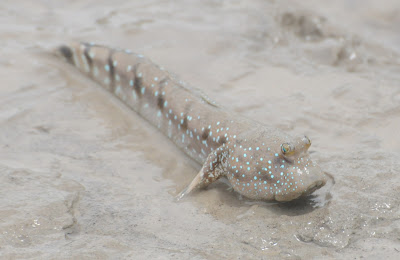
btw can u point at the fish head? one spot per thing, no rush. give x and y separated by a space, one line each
268 165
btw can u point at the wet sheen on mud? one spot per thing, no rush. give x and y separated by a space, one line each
85 177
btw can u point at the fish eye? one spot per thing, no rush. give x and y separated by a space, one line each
287 149
307 141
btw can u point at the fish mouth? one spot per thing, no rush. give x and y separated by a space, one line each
310 189
315 186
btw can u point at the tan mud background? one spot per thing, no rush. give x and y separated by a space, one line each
84 177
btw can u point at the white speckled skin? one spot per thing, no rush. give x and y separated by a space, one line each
260 162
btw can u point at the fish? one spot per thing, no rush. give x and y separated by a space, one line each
259 161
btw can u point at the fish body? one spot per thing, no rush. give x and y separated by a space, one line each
259 161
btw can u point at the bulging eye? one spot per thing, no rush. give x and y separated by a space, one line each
287 149
307 141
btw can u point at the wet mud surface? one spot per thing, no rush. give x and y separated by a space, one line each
82 176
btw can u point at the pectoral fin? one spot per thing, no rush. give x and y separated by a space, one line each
211 171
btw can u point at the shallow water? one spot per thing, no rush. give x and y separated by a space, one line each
84 177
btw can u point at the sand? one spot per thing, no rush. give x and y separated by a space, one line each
83 177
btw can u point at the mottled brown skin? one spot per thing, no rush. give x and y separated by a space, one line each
259 161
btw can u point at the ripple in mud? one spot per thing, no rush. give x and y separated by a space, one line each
36 206
306 26
293 34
